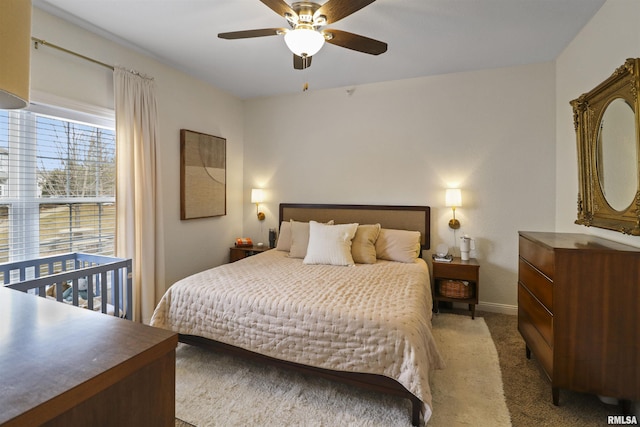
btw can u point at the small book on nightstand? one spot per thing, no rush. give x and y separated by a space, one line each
243 242
446 258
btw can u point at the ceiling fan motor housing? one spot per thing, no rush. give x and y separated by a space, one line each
306 11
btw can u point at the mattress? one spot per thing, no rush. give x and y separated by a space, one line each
367 318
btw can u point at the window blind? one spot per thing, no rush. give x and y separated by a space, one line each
57 184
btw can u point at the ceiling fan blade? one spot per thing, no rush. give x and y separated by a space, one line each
281 8
300 63
252 33
336 10
356 42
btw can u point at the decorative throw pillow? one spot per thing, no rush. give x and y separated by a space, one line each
284 237
299 238
363 247
398 245
330 244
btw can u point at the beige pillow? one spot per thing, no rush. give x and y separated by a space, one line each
363 247
284 237
300 238
330 244
398 245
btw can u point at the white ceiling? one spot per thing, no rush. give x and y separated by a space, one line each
425 37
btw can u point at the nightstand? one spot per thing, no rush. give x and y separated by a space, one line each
237 253
457 270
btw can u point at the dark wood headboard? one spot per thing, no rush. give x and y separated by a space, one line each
415 218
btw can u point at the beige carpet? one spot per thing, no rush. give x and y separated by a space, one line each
216 390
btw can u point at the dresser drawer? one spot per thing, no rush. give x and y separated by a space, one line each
538 315
539 285
538 256
535 342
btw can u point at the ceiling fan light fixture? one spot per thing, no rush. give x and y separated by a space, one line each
304 41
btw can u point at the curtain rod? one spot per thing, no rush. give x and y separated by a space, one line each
38 41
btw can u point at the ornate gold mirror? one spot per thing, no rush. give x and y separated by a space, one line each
607 127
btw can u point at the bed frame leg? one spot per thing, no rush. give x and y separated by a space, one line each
416 405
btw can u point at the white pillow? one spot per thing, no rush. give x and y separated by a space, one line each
363 247
284 237
398 245
299 238
330 244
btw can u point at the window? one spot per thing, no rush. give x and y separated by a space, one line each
57 183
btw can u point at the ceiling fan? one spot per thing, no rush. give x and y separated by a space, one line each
305 37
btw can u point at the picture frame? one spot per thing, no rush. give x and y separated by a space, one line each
607 124
203 175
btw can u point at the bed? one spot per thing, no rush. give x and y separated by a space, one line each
364 321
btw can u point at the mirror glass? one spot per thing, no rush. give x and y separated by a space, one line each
617 154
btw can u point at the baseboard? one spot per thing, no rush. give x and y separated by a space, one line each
498 308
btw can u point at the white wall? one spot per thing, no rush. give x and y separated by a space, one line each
403 142
612 36
183 102
492 132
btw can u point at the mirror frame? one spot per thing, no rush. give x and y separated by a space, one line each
588 109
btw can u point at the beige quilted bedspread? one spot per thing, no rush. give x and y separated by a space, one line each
370 318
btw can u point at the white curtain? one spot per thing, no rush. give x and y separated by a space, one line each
139 233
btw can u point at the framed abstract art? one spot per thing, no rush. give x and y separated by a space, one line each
203 173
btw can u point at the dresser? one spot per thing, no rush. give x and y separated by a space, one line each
578 312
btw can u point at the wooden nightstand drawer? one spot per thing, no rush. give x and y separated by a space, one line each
237 253
455 271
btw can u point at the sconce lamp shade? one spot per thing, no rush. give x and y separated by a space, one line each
15 53
257 195
453 198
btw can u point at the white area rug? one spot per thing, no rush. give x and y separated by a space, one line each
216 390
469 391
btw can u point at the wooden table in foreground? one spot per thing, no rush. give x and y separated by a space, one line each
66 366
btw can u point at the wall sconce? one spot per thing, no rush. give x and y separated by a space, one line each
15 51
453 200
257 197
